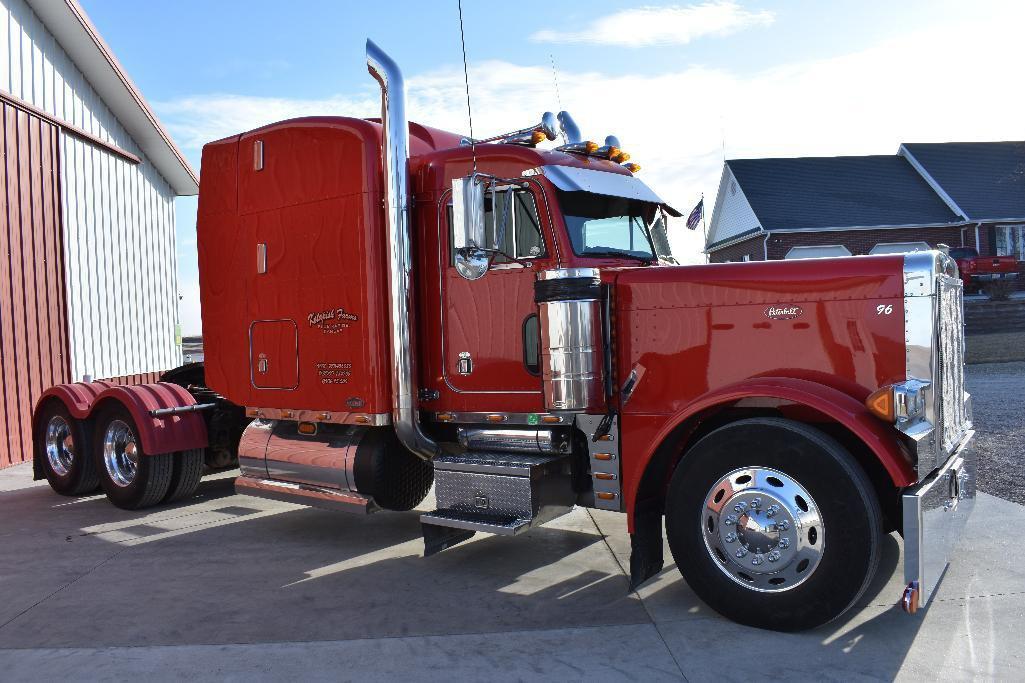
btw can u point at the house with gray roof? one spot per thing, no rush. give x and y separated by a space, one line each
957 194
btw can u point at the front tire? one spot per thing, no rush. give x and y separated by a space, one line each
774 524
62 446
131 478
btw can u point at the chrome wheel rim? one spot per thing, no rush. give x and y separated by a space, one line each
120 453
60 445
763 529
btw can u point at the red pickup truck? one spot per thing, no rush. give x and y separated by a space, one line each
976 270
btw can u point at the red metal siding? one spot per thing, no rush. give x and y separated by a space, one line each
33 322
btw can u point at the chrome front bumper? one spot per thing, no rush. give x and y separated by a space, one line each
935 513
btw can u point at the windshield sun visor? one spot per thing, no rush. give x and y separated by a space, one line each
573 179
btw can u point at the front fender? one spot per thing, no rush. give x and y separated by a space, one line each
880 438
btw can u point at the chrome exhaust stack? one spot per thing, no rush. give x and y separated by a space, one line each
395 147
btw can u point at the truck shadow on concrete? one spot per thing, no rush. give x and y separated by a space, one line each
222 569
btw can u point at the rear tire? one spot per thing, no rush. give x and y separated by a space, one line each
185 475
63 448
774 524
131 479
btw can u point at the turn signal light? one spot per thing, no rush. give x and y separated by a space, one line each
633 168
881 404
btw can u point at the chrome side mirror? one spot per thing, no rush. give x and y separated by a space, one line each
469 229
468 226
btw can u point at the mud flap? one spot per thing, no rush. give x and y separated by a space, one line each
646 545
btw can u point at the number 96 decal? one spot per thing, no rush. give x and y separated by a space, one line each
884 309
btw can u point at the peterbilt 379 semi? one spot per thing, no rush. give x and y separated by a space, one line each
389 307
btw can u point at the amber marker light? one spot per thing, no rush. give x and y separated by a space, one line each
446 417
881 404
537 137
633 168
308 428
621 157
591 147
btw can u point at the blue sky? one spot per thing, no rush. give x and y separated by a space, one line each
680 84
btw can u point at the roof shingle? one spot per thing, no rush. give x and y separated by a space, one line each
838 192
985 179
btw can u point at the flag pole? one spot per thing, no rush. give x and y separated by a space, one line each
704 227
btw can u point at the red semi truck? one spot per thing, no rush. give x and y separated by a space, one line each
389 307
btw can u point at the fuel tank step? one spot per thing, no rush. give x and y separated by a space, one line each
305 494
495 492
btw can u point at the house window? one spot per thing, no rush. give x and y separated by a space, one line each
1011 241
822 251
899 247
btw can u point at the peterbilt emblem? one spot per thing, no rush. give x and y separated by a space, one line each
354 402
783 312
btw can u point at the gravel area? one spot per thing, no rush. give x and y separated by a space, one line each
998 401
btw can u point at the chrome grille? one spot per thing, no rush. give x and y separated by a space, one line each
952 414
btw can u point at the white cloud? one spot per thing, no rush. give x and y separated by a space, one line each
673 123
667 25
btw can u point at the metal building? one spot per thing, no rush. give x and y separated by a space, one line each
88 278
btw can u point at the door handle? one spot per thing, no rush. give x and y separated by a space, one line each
465 365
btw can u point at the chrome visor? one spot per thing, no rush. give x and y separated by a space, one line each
573 179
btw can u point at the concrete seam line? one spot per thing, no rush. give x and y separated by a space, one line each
58 590
661 636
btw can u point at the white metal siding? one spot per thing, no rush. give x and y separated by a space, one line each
733 214
119 220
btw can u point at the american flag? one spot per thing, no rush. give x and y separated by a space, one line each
696 215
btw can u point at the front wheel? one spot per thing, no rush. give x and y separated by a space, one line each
774 524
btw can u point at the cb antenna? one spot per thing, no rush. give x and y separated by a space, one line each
558 96
466 79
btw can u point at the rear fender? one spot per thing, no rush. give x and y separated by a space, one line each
157 434
879 438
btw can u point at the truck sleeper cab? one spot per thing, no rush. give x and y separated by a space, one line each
389 309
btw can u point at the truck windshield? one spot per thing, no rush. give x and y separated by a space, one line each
600 225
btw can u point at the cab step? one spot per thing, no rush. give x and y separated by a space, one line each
495 492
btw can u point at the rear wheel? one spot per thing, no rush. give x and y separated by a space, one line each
62 446
185 475
131 478
774 524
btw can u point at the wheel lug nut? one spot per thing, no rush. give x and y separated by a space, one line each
756 503
730 520
741 552
731 537
773 509
784 543
757 560
782 525
740 508
773 556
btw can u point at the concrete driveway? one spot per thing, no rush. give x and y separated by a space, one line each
230 587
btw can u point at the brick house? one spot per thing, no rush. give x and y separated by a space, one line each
958 194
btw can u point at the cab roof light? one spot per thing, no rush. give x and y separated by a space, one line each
633 168
621 157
